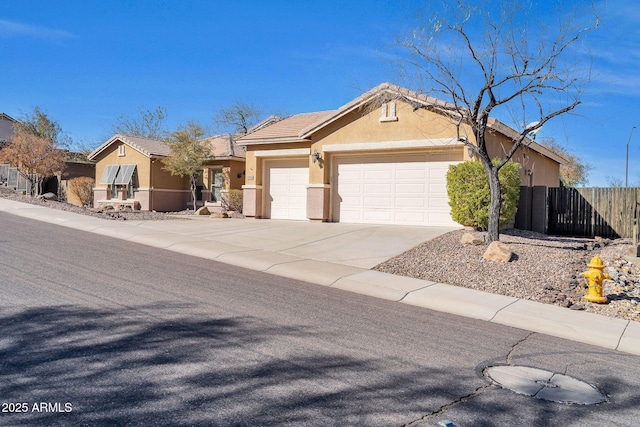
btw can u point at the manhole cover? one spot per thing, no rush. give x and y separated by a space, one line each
545 385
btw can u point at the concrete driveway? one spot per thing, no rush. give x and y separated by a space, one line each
357 245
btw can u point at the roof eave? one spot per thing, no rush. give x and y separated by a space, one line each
507 131
272 141
123 139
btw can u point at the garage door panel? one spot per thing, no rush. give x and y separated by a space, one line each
392 189
410 174
411 202
351 216
378 216
410 217
377 188
414 188
378 202
439 203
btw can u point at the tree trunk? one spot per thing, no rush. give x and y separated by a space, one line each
193 192
493 229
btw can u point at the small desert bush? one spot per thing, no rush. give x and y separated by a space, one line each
82 188
233 201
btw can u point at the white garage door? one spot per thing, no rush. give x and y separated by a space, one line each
286 196
392 189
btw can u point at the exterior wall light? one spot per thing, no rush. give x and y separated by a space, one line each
315 157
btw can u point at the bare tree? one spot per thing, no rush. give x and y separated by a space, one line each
189 152
494 60
147 124
237 118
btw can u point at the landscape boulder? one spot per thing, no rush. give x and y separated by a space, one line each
472 239
48 196
203 211
499 252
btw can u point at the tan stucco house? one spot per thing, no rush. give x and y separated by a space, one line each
370 162
130 172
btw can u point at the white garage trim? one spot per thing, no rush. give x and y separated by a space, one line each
293 152
403 189
390 145
285 194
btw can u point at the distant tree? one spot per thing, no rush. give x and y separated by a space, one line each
493 59
147 124
237 118
35 157
576 172
39 124
615 182
188 154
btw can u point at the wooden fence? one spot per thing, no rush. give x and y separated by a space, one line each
583 212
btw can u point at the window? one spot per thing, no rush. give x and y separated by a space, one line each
116 176
121 150
216 184
388 112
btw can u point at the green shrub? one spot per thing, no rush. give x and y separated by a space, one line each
232 201
469 195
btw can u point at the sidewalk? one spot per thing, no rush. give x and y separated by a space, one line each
339 256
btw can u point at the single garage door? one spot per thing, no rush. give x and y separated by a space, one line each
286 195
392 189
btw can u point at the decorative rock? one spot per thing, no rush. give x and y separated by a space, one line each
471 239
219 215
498 251
202 211
48 196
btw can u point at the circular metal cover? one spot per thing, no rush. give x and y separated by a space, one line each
545 385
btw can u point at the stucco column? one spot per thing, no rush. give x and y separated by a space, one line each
318 202
99 194
252 201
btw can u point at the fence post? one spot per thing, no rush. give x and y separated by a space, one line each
539 210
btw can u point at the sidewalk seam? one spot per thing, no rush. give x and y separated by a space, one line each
508 305
622 334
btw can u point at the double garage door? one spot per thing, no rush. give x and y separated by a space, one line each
391 189
380 189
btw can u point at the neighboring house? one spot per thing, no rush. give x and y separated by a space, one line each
370 161
76 165
130 171
6 128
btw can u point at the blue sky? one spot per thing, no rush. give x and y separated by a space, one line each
87 62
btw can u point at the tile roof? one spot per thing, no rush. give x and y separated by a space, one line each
225 146
221 146
302 126
146 146
288 128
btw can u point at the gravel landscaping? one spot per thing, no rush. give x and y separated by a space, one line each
544 268
120 215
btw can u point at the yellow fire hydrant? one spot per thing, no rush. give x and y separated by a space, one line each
595 275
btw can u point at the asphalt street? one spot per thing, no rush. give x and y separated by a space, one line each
99 331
